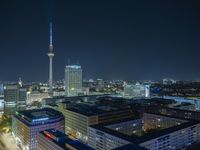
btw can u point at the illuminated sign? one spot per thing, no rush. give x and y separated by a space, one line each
74 67
49 135
41 119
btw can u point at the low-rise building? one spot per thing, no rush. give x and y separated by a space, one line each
152 131
80 116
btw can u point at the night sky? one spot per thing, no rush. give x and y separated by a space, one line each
111 39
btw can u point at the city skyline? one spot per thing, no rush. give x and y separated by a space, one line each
99 75
111 40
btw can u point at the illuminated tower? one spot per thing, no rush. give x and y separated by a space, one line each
50 55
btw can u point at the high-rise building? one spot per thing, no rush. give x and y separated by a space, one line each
15 99
50 55
52 139
73 80
27 124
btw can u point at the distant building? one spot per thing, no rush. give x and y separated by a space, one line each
52 139
153 132
73 80
176 112
99 84
21 103
15 99
168 81
27 124
58 93
1 89
36 96
136 91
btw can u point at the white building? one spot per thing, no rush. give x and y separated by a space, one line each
36 96
73 80
153 132
136 91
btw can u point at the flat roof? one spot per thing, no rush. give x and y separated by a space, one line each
62 140
130 147
146 137
91 110
38 116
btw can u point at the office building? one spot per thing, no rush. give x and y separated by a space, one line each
136 91
79 116
27 124
21 103
15 99
73 80
53 139
152 131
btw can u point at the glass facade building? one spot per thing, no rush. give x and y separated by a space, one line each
73 80
27 124
15 99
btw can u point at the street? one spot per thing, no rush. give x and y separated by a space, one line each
7 142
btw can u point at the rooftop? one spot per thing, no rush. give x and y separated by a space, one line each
38 116
146 137
130 147
90 110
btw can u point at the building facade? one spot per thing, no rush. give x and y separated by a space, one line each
21 103
158 132
15 99
79 117
52 139
27 124
73 80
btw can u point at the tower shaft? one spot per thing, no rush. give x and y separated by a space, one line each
50 75
50 55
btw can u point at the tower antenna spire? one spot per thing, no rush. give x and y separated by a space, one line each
51 34
51 37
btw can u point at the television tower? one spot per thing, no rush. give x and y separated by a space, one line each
50 55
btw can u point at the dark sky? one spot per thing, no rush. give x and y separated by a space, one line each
111 39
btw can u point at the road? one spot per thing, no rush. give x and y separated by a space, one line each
7 142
